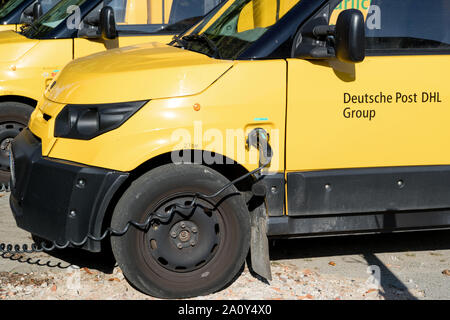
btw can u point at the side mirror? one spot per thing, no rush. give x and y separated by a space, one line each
350 36
345 40
108 23
99 24
37 11
28 15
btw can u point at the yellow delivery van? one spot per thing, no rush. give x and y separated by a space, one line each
266 119
30 59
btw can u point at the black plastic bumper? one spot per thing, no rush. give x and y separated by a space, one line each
59 200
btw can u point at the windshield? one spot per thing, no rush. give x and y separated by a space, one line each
139 17
9 7
52 19
227 31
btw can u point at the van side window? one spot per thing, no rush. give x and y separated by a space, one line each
403 26
48 4
120 7
409 26
160 16
184 9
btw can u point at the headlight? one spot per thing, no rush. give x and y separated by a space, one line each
89 121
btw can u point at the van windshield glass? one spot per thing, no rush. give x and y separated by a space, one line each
226 32
9 7
52 19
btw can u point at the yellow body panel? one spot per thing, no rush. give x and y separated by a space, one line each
85 47
14 46
322 114
159 11
401 133
28 66
216 15
158 71
150 131
323 130
263 13
34 70
43 128
137 12
5 27
148 11
320 135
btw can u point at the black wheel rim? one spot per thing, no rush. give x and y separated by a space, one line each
189 240
8 131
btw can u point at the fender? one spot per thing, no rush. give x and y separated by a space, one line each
198 122
19 95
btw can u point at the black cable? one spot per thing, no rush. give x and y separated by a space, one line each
17 249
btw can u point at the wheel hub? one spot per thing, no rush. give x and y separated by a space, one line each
184 234
8 131
6 144
189 240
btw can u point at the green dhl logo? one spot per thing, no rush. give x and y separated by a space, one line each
354 4
372 13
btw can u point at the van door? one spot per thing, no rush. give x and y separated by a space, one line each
140 21
388 114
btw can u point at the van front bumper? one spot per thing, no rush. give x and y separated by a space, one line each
59 200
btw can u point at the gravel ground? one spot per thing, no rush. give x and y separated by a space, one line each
85 283
404 266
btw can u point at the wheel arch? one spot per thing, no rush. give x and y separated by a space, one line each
229 168
14 98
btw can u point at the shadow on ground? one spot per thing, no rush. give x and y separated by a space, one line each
359 244
367 246
65 258
103 261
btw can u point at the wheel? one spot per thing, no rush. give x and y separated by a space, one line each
14 118
198 251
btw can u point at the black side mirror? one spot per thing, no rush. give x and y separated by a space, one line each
350 36
345 40
108 23
27 16
37 11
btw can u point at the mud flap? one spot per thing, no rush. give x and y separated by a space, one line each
259 245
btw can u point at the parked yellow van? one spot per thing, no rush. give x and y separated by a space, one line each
350 120
30 59
17 13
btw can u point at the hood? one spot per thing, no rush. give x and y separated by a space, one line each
5 27
13 46
140 72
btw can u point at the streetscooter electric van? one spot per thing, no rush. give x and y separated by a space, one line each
18 13
266 119
30 59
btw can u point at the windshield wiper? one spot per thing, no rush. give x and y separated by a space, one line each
203 38
178 40
24 27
